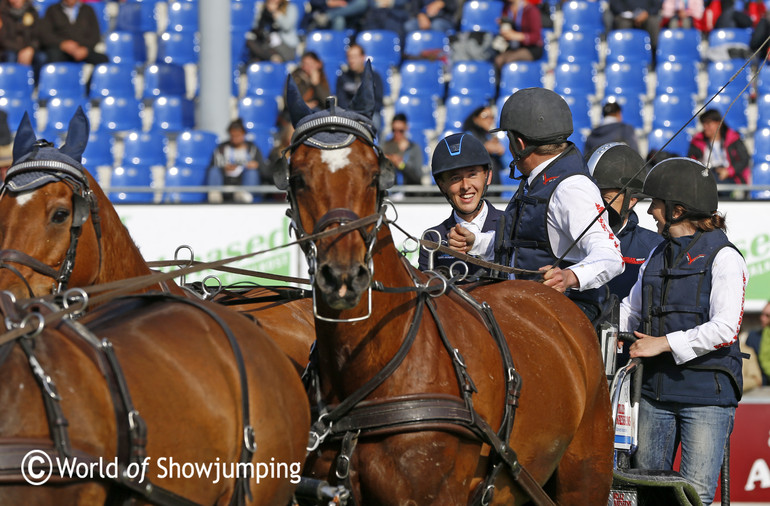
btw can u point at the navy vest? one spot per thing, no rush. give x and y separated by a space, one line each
676 287
525 233
636 243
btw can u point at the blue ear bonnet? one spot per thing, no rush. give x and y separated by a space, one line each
330 139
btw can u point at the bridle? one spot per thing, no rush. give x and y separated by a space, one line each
351 130
84 204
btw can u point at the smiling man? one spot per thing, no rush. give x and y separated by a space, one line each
461 167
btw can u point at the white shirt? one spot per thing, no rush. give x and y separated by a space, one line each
484 244
574 204
729 277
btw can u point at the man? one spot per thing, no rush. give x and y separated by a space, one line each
405 154
612 129
461 167
70 31
350 79
234 162
759 340
555 227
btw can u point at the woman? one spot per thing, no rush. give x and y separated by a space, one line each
311 80
720 148
478 124
686 309
275 35
521 32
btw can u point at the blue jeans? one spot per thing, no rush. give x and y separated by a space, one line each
702 431
338 15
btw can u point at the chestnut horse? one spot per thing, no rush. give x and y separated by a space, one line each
412 390
58 229
149 382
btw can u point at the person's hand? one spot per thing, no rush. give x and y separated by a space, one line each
68 46
460 239
336 3
494 146
559 279
648 346
25 55
641 17
253 164
722 173
395 159
434 8
423 21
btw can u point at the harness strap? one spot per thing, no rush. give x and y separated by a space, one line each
19 257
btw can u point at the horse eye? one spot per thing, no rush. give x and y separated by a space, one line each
297 182
60 216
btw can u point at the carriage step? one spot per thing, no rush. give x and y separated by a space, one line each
651 488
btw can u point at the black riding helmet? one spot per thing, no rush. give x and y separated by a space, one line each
458 151
686 182
617 166
537 115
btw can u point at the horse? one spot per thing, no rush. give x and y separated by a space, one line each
58 229
416 381
152 385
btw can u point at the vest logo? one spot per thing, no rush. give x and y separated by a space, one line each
547 180
690 260
634 261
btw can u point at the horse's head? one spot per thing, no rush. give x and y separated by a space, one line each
336 175
46 199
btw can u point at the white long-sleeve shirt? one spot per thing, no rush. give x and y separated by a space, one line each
574 204
484 243
729 276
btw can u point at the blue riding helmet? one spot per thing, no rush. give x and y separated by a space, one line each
457 151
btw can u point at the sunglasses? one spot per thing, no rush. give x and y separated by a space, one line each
398 130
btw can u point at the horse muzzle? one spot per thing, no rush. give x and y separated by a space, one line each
342 287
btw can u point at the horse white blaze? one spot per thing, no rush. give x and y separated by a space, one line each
24 198
336 159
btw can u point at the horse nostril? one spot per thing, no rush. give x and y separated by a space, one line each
360 278
327 278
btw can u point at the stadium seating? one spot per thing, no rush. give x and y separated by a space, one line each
181 176
98 152
62 80
733 109
582 16
625 78
760 174
679 45
720 72
383 47
762 145
574 78
629 46
423 43
422 77
136 17
673 111
659 137
419 109
481 16
59 112
677 78
330 46
180 48
518 75
720 36
113 79
183 16
258 112
632 104
458 108
763 80
16 80
102 15
128 176
172 114
763 112
195 147
265 78
242 15
580 105
164 79
125 48
144 148
120 114
15 107
473 78
578 47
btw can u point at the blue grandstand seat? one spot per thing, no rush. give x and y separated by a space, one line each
98 152
266 78
574 78
673 111
473 78
173 114
136 17
679 45
128 176
242 15
762 145
676 77
580 106
125 48
763 80
16 80
195 147
15 107
102 15
422 77
481 16
330 46
164 79
179 47
258 112
42 5
382 46
113 79
658 137
582 16
517 75
760 174
120 114
632 104
422 43
763 112
144 148
263 138
720 36
421 111
458 108
720 72
181 176
183 16
625 78
61 79
734 111
630 45
59 112
578 47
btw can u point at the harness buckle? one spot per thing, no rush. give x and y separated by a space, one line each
317 439
249 441
489 493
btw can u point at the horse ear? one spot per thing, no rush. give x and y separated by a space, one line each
363 100
77 136
298 109
25 138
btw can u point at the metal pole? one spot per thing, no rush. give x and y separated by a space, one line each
214 69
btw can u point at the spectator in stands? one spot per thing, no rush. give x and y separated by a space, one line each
681 13
436 15
478 124
612 129
520 37
405 154
387 15
70 31
759 341
282 141
311 80
760 35
275 34
6 145
720 148
642 14
20 34
350 79
336 14
234 162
